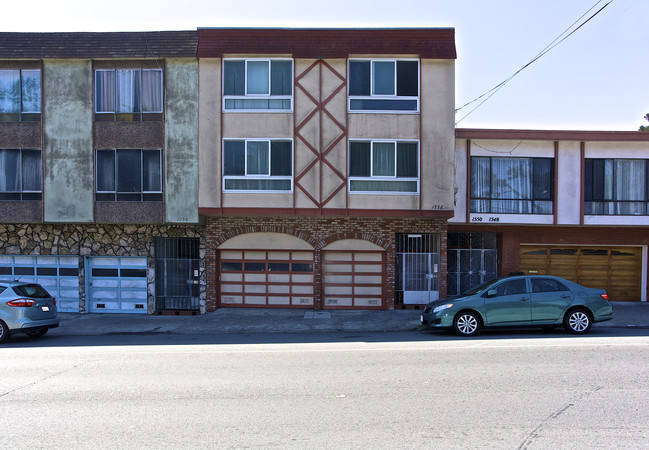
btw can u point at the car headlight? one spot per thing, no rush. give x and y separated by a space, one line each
442 308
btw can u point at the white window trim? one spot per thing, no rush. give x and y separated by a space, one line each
256 176
116 93
384 178
257 96
142 191
382 96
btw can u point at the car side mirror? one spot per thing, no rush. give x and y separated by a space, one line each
492 293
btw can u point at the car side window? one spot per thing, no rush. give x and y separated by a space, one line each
512 287
547 285
2 289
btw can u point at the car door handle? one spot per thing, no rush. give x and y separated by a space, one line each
566 296
524 299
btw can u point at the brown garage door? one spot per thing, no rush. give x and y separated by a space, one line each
353 279
616 269
272 278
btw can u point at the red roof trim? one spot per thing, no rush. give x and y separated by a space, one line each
323 212
552 135
436 43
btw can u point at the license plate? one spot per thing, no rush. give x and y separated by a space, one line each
45 308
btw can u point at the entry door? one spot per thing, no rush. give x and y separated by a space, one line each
177 280
420 277
116 284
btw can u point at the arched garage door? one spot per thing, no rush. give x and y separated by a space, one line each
353 275
266 269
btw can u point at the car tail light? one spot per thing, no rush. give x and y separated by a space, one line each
54 300
605 296
21 302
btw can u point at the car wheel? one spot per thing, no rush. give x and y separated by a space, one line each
4 332
466 323
577 321
37 333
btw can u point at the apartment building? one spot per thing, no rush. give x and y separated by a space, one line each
98 164
569 203
326 165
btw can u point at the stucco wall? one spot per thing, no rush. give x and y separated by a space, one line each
181 149
209 134
67 144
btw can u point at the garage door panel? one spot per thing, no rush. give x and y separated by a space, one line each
616 269
267 278
116 284
353 279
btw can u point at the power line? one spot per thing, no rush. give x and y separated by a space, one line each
558 40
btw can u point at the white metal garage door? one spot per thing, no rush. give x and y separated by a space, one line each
267 278
116 284
58 274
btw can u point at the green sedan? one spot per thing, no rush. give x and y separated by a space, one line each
533 300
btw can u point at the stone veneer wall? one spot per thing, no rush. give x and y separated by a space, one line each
320 231
98 240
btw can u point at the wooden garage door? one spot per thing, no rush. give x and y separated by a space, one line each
353 279
259 278
616 269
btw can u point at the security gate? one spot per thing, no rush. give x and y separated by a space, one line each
116 284
177 274
418 267
58 274
472 258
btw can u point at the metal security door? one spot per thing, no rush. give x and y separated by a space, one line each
177 268
418 267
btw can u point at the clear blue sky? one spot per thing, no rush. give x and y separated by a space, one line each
597 79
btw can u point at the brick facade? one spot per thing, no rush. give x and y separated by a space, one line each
319 232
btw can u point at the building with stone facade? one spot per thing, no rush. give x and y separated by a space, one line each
98 164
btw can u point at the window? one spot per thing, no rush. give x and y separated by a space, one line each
128 94
20 95
258 165
20 174
384 85
129 175
384 167
258 85
501 185
512 287
547 285
616 187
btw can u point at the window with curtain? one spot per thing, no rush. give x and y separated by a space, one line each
384 85
616 187
132 93
384 167
505 185
258 84
128 175
20 95
258 165
20 174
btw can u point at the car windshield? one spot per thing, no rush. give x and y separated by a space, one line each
31 290
481 287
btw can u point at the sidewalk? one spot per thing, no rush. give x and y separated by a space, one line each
259 320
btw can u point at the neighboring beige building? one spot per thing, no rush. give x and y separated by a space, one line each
326 165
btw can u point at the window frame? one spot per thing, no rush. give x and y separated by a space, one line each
133 116
611 203
21 115
251 176
533 199
249 96
144 195
23 194
372 177
387 97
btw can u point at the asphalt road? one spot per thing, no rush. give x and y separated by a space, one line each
518 389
